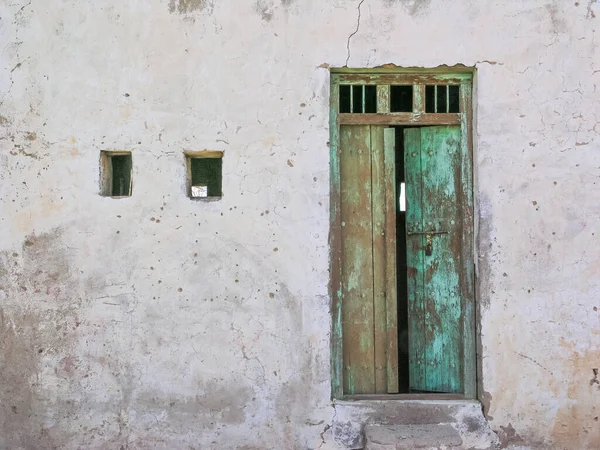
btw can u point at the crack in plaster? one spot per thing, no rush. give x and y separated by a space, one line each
19 64
355 31
590 12
535 362
328 427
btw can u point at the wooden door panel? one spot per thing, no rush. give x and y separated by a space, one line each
440 164
379 284
415 247
357 259
434 206
369 312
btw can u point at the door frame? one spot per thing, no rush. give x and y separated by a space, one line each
382 77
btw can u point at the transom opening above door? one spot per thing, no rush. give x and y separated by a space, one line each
402 234
357 99
426 98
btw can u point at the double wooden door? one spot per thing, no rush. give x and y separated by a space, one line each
440 280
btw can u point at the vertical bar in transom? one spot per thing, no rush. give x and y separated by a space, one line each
418 99
364 101
383 99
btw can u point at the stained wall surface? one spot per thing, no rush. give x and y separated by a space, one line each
159 322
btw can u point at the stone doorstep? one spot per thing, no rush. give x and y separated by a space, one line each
405 437
413 419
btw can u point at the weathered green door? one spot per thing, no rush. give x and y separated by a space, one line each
368 280
437 194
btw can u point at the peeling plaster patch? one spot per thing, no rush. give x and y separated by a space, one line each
590 14
37 333
186 6
558 22
576 420
413 7
215 401
508 436
486 244
264 10
486 402
491 63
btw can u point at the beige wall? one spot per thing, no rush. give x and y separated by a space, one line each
160 322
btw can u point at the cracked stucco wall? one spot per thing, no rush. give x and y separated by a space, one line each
158 322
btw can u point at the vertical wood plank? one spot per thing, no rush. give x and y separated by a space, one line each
364 99
468 249
419 99
357 260
383 99
379 257
442 200
335 243
391 281
414 261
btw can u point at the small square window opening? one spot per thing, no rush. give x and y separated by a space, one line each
116 174
205 172
401 98
358 99
442 99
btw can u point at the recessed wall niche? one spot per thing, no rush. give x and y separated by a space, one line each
116 178
204 174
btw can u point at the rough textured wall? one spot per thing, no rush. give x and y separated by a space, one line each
160 322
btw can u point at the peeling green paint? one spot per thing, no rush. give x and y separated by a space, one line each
432 167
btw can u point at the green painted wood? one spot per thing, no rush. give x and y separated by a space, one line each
466 272
419 99
357 260
335 245
436 344
442 201
383 99
415 245
368 277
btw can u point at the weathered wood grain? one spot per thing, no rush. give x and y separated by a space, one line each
391 280
435 307
415 248
379 260
400 119
357 260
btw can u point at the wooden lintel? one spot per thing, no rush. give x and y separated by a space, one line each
400 119
399 79
204 153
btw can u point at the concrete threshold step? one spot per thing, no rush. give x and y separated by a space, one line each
418 424
405 437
